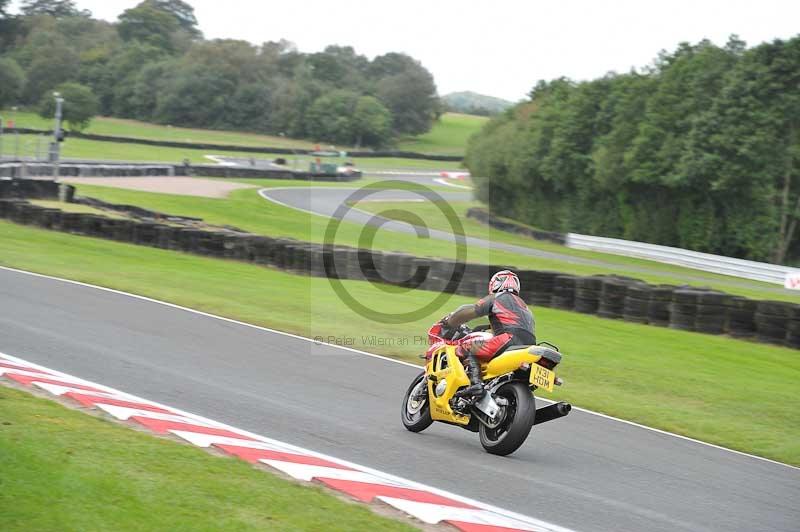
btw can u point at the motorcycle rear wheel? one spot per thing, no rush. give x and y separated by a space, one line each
513 430
416 412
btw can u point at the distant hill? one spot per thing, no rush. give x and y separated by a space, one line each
474 103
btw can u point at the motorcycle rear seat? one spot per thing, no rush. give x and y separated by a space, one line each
515 348
545 352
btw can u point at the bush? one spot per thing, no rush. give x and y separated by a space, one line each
80 105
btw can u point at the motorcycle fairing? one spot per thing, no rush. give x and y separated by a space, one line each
445 365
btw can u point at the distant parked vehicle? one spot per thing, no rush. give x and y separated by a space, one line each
331 167
348 169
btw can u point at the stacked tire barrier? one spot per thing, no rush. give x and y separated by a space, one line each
712 312
793 329
741 317
485 217
587 294
636 305
33 189
564 292
615 297
538 287
660 307
772 320
683 312
612 298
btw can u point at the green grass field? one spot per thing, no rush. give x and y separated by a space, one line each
121 127
247 210
448 136
65 470
693 384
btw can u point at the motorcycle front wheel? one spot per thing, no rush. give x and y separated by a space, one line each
416 410
515 424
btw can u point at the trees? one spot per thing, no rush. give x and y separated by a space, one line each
344 117
138 97
195 96
51 66
12 80
249 107
372 123
54 8
125 67
57 50
339 66
153 64
747 147
80 105
166 24
148 25
407 89
330 117
181 11
7 25
702 151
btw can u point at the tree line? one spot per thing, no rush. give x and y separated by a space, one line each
153 64
700 150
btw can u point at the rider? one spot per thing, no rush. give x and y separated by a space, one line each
512 324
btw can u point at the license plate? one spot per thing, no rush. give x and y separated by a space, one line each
542 377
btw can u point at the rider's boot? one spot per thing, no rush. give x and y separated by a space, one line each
475 388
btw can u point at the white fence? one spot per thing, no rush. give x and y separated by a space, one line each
747 269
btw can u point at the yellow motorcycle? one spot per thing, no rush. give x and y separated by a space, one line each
506 413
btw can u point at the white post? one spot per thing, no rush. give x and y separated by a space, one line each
55 149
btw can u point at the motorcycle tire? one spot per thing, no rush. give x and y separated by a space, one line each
515 427
416 419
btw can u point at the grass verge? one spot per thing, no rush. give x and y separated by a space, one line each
448 136
728 392
65 470
247 210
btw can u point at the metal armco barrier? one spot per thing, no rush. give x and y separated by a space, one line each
21 170
24 170
747 269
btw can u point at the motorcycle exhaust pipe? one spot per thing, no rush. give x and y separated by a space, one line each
551 412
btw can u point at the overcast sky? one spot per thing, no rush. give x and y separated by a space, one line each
498 48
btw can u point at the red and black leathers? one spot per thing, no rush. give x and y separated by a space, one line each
512 324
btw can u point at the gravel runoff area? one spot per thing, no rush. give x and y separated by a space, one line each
187 186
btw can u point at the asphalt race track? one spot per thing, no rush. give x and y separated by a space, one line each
585 471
